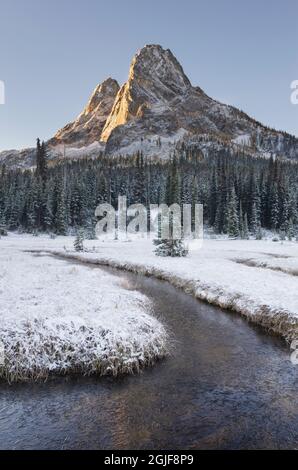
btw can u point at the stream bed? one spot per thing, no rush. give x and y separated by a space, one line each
226 385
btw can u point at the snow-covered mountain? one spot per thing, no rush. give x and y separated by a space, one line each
154 111
158 104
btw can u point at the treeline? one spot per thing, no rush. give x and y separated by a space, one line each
240 194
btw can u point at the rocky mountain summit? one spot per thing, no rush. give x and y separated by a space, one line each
155 111
158 107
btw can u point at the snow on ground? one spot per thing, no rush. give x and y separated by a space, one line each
255 278
58 317
243 139
78 152
149 144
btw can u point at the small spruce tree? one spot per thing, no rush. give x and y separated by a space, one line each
245 233
291 230
170 247
79 241
232 215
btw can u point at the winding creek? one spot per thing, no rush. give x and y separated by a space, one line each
227 385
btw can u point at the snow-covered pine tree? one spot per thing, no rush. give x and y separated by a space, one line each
90 228
41 160
245 232
243 224
255 218
170 247
213 195
241 221
271 184
284 216
274 205
48 216
194 197
232 215
102 189
255 206
259 233
140 193
291 231
79 241
60 216
3 230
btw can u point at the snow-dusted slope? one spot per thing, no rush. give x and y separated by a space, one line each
77 139
158 102
24 158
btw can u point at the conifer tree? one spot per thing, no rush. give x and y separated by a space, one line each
79 241
291 232
255 219
274 207
60 216
65 194
41 160
232 215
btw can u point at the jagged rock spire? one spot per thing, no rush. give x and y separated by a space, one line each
89 124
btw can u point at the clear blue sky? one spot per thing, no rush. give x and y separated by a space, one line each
54 52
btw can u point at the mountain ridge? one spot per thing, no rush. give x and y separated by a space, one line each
155 110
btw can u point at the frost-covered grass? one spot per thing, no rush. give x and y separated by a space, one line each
257 279
58 318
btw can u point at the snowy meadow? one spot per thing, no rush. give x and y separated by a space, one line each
256 278
61 316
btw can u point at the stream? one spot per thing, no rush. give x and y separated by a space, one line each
226 385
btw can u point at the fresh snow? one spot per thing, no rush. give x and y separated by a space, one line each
149 145
60 317
243 139
257 279
70 152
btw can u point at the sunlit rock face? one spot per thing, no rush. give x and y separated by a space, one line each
155 78
87 128
144 109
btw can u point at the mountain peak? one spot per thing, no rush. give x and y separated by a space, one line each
155 79
107 88
152 61
153 112
88 126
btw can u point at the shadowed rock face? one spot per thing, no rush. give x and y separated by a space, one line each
88 126
154 111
